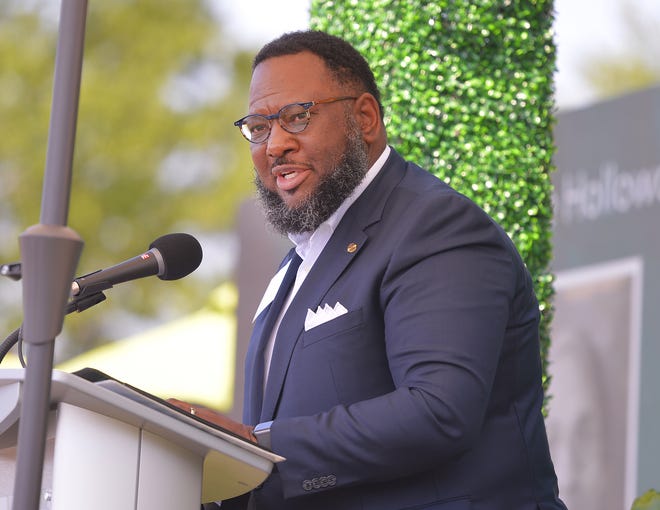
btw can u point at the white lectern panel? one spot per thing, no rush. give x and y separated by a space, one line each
170 476
95 463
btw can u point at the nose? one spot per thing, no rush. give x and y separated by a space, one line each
280 141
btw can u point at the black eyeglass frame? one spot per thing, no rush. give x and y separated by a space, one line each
306 107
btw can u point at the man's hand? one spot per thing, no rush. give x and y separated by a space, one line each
244 431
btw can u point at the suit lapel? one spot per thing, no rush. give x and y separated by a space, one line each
325 272
263 325
345 244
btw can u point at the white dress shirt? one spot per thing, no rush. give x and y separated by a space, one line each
309 246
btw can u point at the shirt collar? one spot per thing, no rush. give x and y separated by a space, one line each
304 239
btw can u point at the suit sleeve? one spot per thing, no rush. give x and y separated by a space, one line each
446 294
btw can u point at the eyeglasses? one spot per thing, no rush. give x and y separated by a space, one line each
293 118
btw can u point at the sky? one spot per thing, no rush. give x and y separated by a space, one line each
583 28
275 18
587 28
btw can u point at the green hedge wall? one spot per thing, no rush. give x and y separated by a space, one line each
468 94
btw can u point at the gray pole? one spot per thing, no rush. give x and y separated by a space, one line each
49 256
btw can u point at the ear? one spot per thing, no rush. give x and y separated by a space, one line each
368 118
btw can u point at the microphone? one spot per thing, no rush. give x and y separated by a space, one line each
169 257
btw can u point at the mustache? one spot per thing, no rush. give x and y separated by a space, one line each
283 160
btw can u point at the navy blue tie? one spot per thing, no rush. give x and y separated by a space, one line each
254 359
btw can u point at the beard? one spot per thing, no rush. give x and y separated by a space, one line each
332 189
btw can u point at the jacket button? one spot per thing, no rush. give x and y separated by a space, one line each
320 482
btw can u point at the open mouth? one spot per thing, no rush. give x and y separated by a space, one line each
290 178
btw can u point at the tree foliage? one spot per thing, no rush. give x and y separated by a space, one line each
155 149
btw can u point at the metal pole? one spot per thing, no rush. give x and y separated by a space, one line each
49 256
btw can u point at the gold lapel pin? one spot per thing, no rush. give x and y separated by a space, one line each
351 248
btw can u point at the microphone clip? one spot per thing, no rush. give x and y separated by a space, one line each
83 302
12 271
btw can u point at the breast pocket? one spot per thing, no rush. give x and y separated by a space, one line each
335 327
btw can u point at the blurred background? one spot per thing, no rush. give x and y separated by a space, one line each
156 152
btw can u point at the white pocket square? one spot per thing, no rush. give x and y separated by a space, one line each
323 315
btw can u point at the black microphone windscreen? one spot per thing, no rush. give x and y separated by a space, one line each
181 253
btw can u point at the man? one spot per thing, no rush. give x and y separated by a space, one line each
402 369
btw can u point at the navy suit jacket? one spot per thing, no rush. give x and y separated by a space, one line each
427 393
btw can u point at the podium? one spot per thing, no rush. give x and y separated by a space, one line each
110 447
